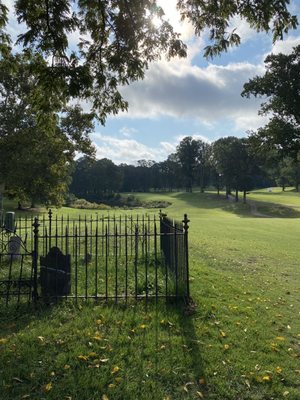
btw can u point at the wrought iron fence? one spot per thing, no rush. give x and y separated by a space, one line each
99 257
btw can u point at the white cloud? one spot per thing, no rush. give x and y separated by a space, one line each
183 90
128 132
286 46
128 150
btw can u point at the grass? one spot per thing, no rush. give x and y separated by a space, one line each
242 342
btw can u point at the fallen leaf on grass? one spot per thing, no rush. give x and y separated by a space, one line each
41 338
3 341
104 397
286 393
200 395
226 346
266 378
18 380
278 370
185 387
104 360
83 358
115 370
48 387
111 386
202 381
280 338
222 334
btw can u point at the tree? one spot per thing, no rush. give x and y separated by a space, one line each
118 39
38 139
234 161
281 85
187 154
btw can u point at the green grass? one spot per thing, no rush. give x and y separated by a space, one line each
242 341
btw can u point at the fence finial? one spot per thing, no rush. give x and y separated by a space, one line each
185 222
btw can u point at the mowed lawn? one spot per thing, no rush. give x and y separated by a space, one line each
242 341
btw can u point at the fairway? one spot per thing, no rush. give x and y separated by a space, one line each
242 340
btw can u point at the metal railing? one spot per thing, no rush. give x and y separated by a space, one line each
108 257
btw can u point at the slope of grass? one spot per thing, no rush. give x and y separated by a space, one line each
242 342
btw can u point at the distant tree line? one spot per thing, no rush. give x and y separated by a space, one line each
231 164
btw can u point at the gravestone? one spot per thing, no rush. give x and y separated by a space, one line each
55 273
14 248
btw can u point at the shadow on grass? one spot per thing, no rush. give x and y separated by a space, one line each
252 209
135 351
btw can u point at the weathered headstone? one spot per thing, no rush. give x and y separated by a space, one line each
55 273
14 247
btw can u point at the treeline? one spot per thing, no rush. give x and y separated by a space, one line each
232 164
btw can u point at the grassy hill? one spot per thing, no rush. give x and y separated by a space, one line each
242 341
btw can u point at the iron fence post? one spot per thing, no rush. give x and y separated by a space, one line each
186 251
35 258
50 226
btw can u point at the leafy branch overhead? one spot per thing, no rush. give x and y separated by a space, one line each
94 46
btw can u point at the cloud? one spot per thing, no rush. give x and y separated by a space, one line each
183 90
128 150
128 132
286 46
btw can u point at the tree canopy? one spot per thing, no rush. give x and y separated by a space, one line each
93 47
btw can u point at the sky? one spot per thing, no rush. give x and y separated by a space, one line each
188 97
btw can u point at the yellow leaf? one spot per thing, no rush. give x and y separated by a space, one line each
115 370
226 346
97 337
48 387
143 326
280 338
67 366
92 354
98 322
3 341
278 370
185 387
83 358
286 393
104 360
222 333
111 385
41 338
104 397
266 378
200 394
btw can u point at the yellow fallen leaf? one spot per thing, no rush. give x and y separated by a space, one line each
222 334
202 381
280 338
83 358
115 370
104 397
41 338
92 354
67 366
226 346
143 326
266 378
286 393
98 322
48 387
185 387
97 337
111 385
278 370
3 341
104 360
200 394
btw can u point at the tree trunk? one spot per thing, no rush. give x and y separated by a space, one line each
244 197
236 195
19 205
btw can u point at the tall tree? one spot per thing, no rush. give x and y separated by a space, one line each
38 139
187 154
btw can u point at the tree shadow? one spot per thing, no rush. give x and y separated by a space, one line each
252 208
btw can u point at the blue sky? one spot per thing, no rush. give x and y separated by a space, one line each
189 97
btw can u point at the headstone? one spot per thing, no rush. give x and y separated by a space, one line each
55 273
14 247
9 222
